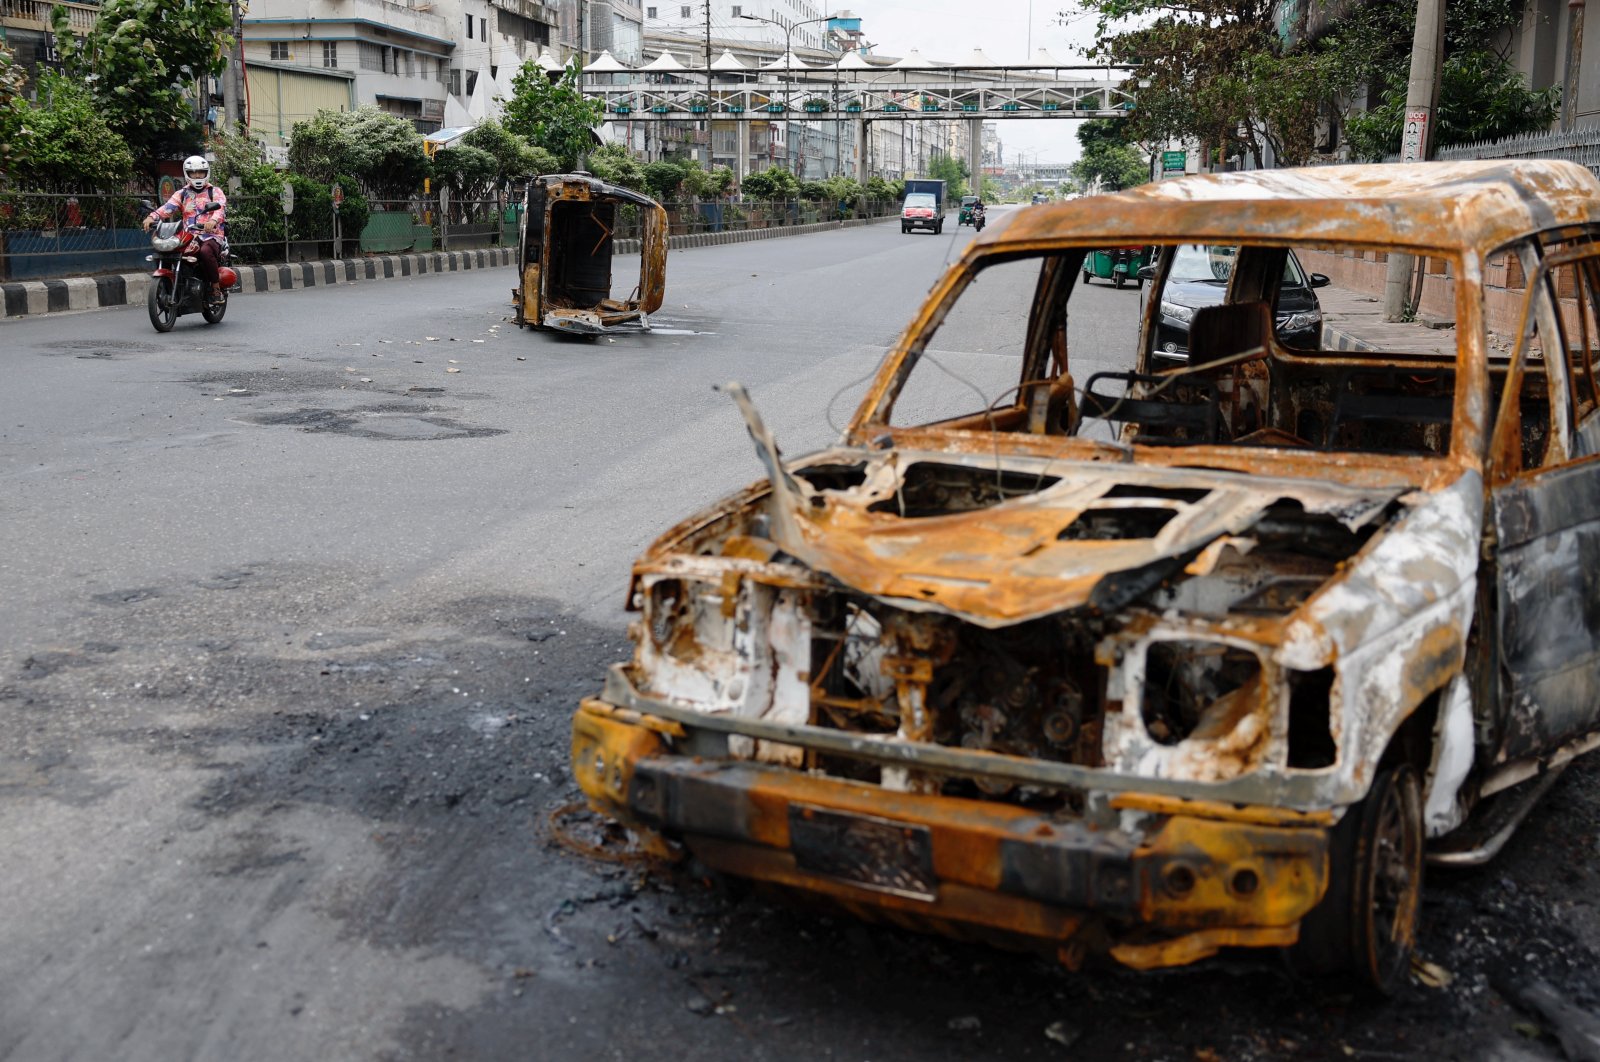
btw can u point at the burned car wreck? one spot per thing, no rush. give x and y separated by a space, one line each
1067 649
564 253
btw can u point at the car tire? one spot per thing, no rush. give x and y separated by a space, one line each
938 230
904 229
1119 280
1366 925
1086 276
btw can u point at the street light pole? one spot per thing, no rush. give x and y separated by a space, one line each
788 58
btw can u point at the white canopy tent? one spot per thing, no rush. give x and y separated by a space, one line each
665 63
605 64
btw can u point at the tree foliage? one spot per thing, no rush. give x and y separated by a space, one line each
514 158
772 183
662 179
382 152
553 114
63 143
1219 71
13 106
615 164
1480 98
953 172
140 63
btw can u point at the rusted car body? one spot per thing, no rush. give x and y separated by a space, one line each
564 256
1213 679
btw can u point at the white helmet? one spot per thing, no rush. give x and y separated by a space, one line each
197 171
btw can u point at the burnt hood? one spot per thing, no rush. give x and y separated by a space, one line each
1019 538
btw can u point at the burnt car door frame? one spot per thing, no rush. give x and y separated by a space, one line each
1543 546
1038 403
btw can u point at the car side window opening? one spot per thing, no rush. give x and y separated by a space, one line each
1530 430
1578 286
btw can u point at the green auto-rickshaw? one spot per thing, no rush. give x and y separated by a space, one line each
1116 264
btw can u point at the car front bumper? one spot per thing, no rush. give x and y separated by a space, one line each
1191 878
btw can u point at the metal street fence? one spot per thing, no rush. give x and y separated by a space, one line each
1580 145
47 235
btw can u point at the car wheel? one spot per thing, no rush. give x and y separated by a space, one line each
162 304
1366 924
904 229
1119 280
938 230
1086 276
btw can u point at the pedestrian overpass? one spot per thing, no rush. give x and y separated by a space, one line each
852 89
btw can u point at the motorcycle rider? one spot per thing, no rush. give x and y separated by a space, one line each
190 202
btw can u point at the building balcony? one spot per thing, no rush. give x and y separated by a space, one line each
35 15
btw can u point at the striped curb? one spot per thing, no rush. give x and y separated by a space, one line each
32 298
1336 339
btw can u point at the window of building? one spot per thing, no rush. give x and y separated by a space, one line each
469 27
455 82
483 29
650 12
683 12
280 51
738 12
330 53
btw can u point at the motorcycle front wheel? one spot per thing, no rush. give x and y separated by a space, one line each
161 304
213 311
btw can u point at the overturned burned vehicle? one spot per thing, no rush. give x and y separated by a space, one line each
1064 646
564 256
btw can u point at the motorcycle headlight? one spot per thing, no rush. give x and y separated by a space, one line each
1299 322
170 243
1181 314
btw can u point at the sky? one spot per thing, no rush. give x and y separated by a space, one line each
948 30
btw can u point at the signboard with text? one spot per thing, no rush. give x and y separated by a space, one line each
1174 163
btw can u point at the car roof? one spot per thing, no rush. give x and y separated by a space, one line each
1439 206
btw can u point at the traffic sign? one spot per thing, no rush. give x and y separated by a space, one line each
288 198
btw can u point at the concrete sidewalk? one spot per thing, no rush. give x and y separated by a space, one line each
1353 321
29 298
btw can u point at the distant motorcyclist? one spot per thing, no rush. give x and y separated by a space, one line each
191 202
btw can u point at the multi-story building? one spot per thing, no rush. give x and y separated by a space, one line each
433 62
25 29
398 55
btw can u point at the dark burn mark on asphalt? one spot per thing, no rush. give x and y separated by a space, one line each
228 579
394 422
101 349
126 597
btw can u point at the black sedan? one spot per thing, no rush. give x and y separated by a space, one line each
1199 278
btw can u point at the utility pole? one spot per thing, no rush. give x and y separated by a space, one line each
232 81
1569 83
1422 89
708 84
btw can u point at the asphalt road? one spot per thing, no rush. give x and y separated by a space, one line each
297 607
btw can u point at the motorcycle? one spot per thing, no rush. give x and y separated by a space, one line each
176 287
978 217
